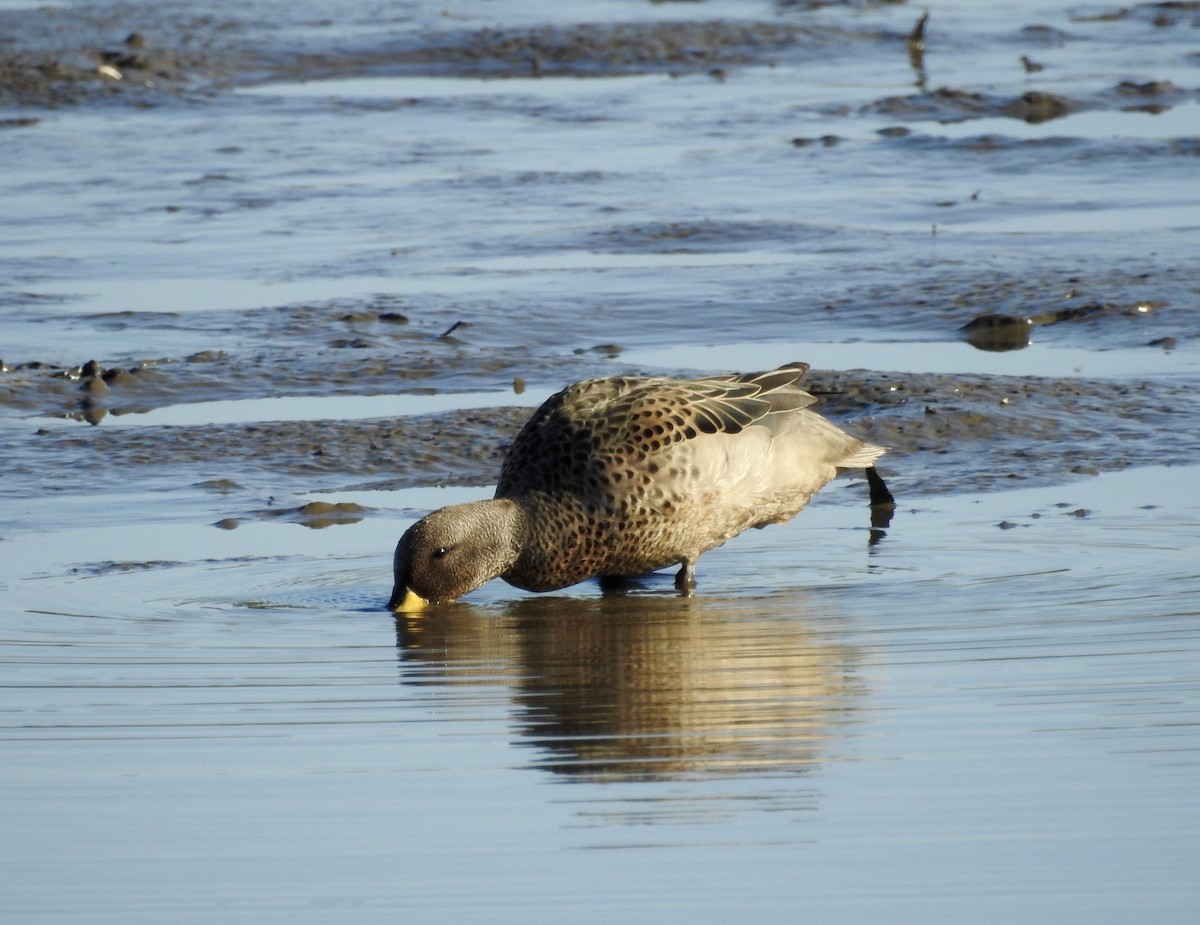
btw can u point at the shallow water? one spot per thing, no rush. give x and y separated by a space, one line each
323 279
991 712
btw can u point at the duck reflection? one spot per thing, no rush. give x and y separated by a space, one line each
639 686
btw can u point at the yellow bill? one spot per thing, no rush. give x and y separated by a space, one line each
409 602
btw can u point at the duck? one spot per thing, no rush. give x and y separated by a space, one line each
623 476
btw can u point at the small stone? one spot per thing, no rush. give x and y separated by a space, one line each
206 356
330 507
997 332
222 486
116 377
1036 106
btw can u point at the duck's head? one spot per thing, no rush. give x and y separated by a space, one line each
453 551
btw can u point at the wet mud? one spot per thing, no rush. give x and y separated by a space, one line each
139 54
947 104
130 54
147 54
945 432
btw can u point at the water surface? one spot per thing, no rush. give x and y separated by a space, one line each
994 705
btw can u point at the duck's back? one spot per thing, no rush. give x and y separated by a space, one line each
622 476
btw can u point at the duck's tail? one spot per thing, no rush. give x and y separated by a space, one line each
862 458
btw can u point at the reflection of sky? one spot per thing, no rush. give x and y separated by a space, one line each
1180 121
925 356
314 408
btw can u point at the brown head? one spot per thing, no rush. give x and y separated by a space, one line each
454 550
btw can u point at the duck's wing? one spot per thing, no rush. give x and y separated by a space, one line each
599 424
659 412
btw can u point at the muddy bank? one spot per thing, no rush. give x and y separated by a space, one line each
948 104
387 345
134 54
946 433
592 50
147 54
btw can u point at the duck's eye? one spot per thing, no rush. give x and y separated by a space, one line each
440 552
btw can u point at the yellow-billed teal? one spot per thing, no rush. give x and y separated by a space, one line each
623 476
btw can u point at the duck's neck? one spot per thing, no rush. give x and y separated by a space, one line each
504 529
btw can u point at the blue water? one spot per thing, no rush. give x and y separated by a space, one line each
962 721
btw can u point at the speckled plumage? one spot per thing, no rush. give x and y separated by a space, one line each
623 476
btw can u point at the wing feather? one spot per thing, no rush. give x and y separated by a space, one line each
578 436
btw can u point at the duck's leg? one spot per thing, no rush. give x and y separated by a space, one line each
880 496
883 506
685 579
